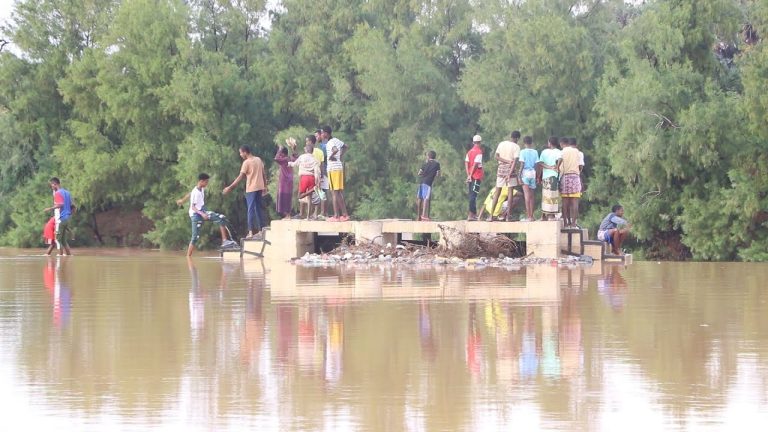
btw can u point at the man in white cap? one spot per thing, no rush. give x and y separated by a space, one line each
474 166
508 174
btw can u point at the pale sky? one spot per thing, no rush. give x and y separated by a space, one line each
5 9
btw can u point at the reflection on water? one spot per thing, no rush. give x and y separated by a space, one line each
200 344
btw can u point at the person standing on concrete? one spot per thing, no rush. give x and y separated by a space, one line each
474 165
528 159
309 175
284 202
321 156
253 171
550 190
507 176
569 167
335 150
429 170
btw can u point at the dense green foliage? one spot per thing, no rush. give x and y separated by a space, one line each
128 100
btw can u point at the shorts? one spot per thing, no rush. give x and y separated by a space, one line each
197 222
306 182
507 181
604 236
424 192
336 179
529 178
324 184
570 186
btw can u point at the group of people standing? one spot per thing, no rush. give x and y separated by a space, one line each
557 170
521 170
321 173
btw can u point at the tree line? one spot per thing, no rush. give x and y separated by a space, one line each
127 101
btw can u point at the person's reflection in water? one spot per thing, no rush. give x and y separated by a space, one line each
506 352
54 279
309 353
550 361
196 302
334 346
570 331
474 343
286 333
426 336
612 287
529 356
253 332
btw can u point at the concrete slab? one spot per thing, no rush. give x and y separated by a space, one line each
293 238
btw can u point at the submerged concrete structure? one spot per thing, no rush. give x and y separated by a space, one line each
287 239
293 238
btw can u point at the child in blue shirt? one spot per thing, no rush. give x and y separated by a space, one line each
528 157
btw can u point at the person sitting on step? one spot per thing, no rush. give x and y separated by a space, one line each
614 229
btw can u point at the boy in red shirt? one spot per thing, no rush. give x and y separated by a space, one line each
49 232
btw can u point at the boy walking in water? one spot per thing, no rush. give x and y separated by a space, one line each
62 211
614 229
335 150
528 158
198 214
427 174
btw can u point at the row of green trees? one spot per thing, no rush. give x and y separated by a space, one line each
128 100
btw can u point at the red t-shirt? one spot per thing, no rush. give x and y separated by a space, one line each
475 155
49 232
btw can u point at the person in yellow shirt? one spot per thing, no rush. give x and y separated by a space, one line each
502 206
569 166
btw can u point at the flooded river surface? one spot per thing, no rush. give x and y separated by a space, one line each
139 340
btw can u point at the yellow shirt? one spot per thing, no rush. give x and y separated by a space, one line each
570 161
318 154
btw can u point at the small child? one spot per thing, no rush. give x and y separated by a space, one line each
529 157
49 233
198 214
309 174
429 170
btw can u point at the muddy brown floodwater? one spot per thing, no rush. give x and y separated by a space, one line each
139 340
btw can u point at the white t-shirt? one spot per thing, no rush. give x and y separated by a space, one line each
307 165
508 150
581 158
334 165
196 201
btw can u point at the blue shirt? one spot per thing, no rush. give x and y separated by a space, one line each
611 221
529 157
63 197
549 156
